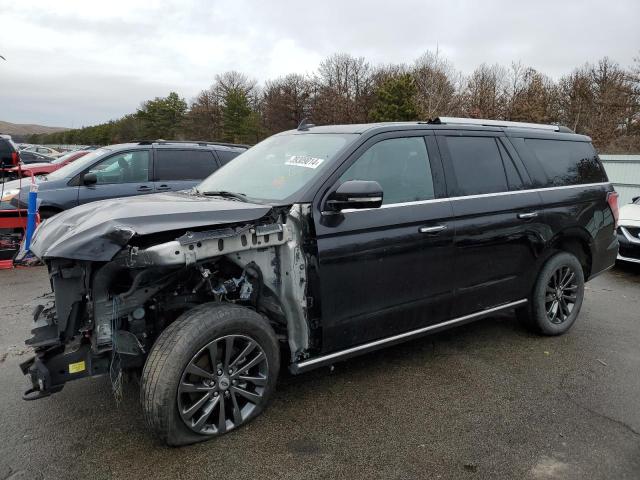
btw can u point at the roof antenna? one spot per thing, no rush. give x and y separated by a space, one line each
304 126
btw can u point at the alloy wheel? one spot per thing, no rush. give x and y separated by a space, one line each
223 384
561 294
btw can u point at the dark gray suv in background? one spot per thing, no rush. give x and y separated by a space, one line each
128 169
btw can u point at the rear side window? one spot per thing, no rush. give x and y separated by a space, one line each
477 165
567 163
184 164
226 156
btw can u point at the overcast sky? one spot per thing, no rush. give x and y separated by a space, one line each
73 63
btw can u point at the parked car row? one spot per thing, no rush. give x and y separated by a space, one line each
13 156
32 169
321 243
124 170
41 149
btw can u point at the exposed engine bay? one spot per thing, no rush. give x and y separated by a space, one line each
107 314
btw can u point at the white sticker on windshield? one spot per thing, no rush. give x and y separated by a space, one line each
304 161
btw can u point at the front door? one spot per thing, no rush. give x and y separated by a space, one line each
121 175
387 270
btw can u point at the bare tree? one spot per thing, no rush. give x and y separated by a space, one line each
204 119
485 94
285 102
437 83
343 90
531 96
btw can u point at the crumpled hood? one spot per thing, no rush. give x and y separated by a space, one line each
97 231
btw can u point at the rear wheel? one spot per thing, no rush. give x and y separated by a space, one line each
211 371
557 296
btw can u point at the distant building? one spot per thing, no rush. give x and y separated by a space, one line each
624 173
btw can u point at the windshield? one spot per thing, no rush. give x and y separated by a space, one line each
277 167
70 169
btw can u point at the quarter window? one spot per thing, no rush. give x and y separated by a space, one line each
184 164
127 167
567 163
400 166
477 165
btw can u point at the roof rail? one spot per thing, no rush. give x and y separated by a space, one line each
497 123
196 142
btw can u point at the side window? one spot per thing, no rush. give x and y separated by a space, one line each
566 162
126 167
184 164
226 156
400 166
477 165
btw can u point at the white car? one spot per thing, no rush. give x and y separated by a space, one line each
43 150
629 232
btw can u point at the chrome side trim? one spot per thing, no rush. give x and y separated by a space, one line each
365 199
304 365
483 195
628 259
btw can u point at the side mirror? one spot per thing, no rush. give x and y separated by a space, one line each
355 194
635 199
89 179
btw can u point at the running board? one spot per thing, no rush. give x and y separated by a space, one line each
311 363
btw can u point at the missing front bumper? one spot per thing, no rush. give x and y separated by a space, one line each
49 371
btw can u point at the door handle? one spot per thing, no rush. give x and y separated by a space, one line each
435 229
163 187
524 216
144 188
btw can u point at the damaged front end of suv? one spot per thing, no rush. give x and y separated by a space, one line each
123 270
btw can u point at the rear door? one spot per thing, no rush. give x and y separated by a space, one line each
497 222
121 175
387 270
181 169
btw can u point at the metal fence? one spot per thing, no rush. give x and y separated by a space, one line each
624 173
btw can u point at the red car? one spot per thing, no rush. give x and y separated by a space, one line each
33 169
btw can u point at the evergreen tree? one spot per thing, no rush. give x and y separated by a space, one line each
236 116
162 117
395 99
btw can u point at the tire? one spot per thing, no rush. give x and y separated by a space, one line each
178 373
545 314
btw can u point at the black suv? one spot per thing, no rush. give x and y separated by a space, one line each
128 169
323 242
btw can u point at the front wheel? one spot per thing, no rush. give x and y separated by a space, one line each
211 371
557 296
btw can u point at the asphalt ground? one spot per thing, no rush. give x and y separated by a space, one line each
485 400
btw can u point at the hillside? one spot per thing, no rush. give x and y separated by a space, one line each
24 130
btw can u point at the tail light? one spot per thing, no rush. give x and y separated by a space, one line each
612 200
15 158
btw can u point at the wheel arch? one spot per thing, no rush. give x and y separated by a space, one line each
577 242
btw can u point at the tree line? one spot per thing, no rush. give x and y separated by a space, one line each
599 99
